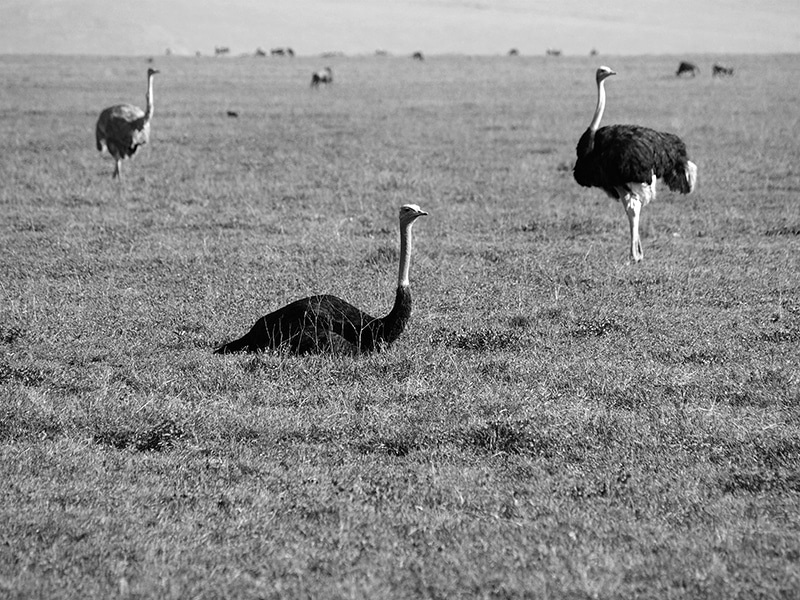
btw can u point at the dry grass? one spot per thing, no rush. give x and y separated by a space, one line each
555 422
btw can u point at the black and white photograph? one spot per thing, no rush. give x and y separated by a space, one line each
400 299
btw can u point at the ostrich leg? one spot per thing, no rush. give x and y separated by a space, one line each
633 207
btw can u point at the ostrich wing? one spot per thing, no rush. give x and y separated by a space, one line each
308 325
125 125
331 314
632 154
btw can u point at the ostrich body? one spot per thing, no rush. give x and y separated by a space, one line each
625 161
311 325
122 128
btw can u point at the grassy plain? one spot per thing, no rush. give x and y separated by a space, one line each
556 423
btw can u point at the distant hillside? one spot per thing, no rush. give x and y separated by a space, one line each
399 26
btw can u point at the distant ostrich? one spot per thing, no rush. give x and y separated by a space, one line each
322 76
417 56
122 128
718 71
687 67
314 324
626 160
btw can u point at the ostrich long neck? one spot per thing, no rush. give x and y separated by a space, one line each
148 114
601 105
405 255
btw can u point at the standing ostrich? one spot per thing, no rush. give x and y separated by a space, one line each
309 324
123 128
626 160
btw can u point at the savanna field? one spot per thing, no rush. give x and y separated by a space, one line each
554 423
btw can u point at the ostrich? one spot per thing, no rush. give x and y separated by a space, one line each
626 160
309 324
123 128
322 76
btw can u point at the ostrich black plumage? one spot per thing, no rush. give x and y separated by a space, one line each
626 160
311 325
123 128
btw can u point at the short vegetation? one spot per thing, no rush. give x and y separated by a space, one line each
554 423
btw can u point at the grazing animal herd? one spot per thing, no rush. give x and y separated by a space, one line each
625 161
687 68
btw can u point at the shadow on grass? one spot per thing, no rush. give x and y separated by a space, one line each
20 422
481 340
159 438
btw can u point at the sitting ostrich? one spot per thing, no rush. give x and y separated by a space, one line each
687 67
317 323
626 160
322 76
122 128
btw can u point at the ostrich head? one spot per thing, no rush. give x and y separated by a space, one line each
604 72
409 213
151 72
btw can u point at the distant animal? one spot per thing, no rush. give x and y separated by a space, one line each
260 52
593 52
281 52
417 56
232 113
220 50
320 323
513 52
123 128
322 76
626 160
687 68
553 52
720 71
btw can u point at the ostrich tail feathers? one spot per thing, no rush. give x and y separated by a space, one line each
691 175
682 177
